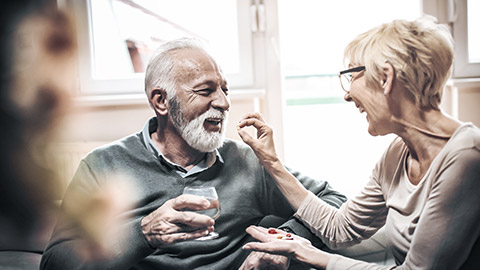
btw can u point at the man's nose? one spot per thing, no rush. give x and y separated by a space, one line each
221 100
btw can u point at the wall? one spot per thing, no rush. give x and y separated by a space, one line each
461 100
469 105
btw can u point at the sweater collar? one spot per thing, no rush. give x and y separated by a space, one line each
210 158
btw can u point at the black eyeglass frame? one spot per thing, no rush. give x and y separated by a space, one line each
350 70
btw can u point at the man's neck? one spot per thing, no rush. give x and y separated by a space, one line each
175 149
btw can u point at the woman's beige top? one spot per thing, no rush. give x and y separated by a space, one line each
432 225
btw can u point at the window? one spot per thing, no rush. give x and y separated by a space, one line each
326 137
466 26
473 26
121 35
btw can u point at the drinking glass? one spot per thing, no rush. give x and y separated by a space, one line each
209 193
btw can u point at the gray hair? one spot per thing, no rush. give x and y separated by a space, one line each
159 72
420 51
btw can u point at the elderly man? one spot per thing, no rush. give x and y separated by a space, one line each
183 145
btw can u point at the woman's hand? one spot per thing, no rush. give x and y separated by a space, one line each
264 149
278 242
263 145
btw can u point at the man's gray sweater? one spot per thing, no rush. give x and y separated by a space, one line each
246 192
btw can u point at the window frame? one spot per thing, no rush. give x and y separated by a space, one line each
88 85
462 67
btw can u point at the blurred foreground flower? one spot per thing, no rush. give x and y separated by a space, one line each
99 216
37 78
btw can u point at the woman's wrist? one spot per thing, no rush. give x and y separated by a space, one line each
271 162
314 257
290 187
274 166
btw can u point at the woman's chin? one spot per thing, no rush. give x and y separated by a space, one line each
374 132
371 130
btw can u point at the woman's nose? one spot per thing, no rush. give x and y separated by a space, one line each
347 97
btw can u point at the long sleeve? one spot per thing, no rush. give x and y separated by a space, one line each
357 219
431 225
449 226
448 229
321 190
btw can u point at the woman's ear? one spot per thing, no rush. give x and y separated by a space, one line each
158 99
388 75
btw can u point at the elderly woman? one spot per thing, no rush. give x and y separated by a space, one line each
425 188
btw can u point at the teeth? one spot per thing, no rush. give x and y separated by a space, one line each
214 120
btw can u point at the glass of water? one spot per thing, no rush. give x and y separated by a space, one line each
209 193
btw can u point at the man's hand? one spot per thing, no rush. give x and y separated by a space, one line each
265 261
169 223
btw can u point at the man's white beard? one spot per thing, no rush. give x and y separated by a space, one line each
193 132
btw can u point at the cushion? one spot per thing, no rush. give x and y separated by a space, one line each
16 260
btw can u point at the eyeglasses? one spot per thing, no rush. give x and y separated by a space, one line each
346 77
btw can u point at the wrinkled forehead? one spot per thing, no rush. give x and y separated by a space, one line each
193 64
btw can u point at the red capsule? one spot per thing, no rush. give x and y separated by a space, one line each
272 231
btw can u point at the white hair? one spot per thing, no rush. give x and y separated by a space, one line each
161 64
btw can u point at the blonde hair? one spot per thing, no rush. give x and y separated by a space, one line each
420 51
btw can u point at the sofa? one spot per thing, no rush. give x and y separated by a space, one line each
23 249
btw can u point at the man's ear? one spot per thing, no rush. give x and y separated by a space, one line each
388 75
158 99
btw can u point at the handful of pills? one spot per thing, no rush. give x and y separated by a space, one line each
288 236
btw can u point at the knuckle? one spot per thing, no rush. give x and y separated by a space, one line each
167 204
180 200
249 265
167 239
189 219
185 217
168 216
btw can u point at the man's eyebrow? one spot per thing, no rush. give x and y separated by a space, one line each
211 83
201 84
